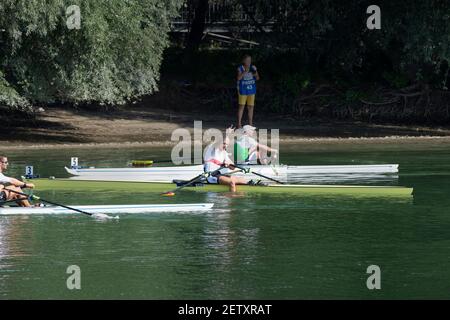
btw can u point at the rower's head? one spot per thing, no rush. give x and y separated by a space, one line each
3 163
248 130
225 143
247 60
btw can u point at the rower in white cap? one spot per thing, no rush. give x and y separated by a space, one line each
247 150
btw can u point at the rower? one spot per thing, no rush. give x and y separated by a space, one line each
9 186
246 148
216 158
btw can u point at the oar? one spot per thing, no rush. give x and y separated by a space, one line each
248 170
95 215
190 182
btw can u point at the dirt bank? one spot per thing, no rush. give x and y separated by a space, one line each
140 126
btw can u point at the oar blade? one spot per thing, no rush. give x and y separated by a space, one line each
102 216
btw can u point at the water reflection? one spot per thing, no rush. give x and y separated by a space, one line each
355 179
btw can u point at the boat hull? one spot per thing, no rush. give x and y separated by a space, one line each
77 185
111 209
282 172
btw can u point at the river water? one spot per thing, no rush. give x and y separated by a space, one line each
250 247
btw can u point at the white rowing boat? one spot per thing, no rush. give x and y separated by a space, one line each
279 172
108 209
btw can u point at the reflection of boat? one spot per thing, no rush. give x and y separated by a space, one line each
345 178
77 185
136 208
280 172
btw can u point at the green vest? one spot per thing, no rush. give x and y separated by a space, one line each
240 153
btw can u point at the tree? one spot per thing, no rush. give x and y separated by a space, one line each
197 26
115 55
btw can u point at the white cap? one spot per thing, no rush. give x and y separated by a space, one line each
247 128
239 131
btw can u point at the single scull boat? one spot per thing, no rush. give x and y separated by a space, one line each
351 190
280 172
111 209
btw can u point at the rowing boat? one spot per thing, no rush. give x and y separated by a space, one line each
92 186
105 209
279 172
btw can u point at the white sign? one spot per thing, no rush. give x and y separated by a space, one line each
74 162
29 171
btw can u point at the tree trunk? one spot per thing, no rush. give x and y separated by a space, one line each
197 26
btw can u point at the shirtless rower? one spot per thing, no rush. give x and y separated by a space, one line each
215 158
8 185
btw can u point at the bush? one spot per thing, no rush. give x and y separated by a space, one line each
115 55
9 97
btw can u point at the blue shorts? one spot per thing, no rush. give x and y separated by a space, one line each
213 180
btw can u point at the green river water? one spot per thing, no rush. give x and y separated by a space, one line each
250 247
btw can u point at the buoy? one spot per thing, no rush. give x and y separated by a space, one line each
141 163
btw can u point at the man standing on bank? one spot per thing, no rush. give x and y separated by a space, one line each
247 75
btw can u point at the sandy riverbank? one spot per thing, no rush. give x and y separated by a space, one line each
300 142
133 127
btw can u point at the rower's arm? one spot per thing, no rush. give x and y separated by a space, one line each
21 184
266 148
227 161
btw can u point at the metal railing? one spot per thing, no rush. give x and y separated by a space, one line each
221 16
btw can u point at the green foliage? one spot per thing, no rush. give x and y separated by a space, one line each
352 95
218 68
293 84
395 80
113 57
9 96
332 35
